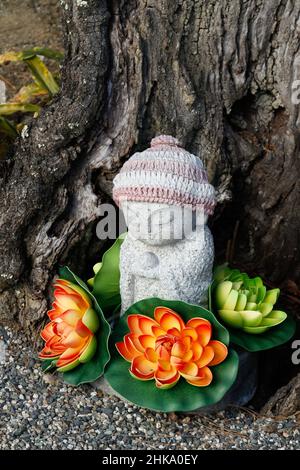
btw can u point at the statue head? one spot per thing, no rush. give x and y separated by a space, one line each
164 193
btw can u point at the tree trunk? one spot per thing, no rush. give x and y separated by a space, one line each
217 74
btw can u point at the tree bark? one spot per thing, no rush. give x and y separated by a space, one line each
217 74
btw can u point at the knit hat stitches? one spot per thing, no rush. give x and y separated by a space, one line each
165 173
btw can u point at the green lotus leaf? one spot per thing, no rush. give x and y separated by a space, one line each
181 397
96 268
106 284
93 361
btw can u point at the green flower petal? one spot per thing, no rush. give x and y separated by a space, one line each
68 367
241 302
232 318
272 296
231 300
237 284
277 315
89 352
261 338
222 292
251 306
251 318
91 320
265 309
261 292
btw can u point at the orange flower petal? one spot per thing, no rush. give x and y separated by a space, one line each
163 353
157 331
190 332
70 302
187 341
48 331
194 322
71 317
69 288
147 341
55 312
203 379
159 312
168 319
189 370
174 332
51 352
204 334
124 351
82 330
73 340
197 351
68 356
131 343
164 364
62 329
133 323
146 324
142 368
151 355
178 349
135 342
54 343
206 356
177 362
48 353
63 286
166 377
220 352
188 356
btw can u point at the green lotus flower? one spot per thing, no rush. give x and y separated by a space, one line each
245 303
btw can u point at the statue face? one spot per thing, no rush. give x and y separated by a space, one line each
159 224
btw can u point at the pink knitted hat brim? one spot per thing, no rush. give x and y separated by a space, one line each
165 173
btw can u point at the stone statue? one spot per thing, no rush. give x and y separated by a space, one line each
166 199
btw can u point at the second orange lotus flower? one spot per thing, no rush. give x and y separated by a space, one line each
165 349
69 337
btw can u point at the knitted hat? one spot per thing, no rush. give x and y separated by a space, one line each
165 173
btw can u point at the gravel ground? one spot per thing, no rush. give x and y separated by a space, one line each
39 412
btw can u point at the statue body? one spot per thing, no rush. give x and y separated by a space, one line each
166 199
168 268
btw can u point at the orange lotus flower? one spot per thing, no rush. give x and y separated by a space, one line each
70 335
166 349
